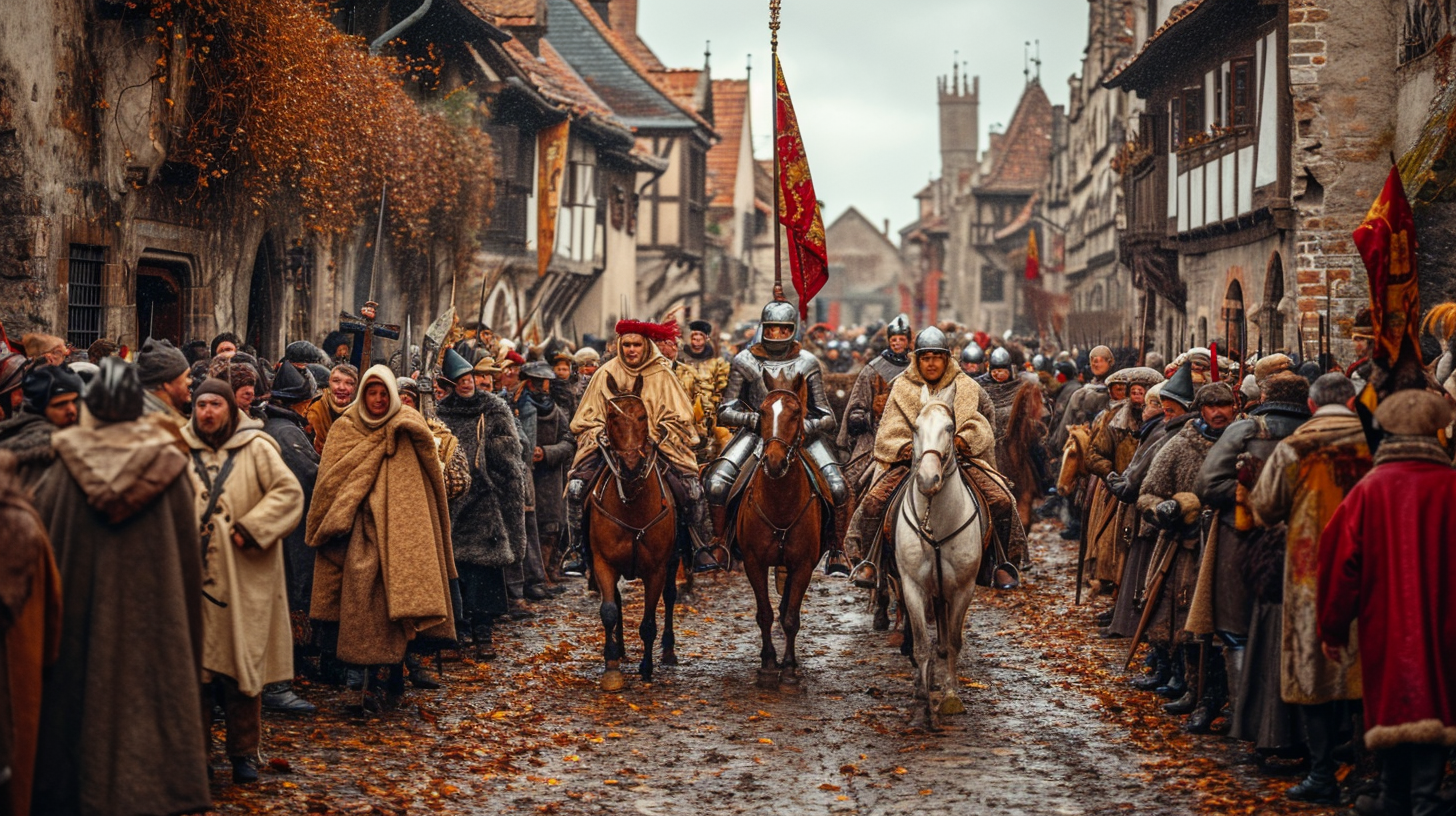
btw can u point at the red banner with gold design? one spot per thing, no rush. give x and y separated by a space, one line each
1387 243
1033 257
798 207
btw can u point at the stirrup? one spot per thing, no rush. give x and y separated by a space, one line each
866 575
836 564
704 561
575 565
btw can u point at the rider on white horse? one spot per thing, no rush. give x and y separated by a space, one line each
975 446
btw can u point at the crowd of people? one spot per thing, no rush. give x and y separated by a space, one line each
201 527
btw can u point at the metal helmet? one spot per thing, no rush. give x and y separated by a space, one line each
973 353
1000 358
779 313
1040 362
932 339
899 326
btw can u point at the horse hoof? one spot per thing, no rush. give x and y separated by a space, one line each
768 680
645 673
669 658
612 680
951 705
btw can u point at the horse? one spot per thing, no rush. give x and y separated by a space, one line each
1074 459
633 532
1024 431
939 531
779 525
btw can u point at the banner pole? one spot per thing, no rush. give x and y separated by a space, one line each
773 26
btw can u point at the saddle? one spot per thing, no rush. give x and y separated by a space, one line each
817 483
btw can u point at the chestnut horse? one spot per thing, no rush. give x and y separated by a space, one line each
633 532
779 524
1024 431
1074 458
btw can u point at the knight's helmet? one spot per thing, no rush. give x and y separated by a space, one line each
932 339
1000 358
900 326
973 353
779 313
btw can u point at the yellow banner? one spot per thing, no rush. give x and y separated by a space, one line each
551 147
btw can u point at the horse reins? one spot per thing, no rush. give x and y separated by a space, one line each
638 533
922 527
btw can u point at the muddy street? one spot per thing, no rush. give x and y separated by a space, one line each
1048 729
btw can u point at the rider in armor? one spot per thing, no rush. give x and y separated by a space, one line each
975 448
670 424
1001 384
779 354
867 403
973 358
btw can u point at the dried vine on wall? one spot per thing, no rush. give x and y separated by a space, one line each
293 114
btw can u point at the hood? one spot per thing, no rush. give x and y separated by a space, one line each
249 429
648 360
380 374
121 466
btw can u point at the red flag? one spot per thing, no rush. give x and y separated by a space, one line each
1387 243
1213 360
1033 258
798 207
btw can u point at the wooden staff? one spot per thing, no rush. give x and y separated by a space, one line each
773 27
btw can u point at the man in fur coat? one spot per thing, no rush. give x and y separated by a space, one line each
1168 502
489 520
1304 480
975 445
1386 561
1108 452
552 452
247 501
1089 400
380 523
118 506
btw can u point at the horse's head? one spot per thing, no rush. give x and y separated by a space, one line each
1074 453
934 444
626 426
781 421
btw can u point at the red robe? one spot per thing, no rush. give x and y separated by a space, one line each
1387 556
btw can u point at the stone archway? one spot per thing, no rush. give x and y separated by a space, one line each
161 300
1234 327
1272 324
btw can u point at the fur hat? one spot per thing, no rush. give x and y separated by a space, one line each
1413 412
159 362
115 394
38 344
700 326
586 355
101 349
241 375
1140 375
1249 388
1215 394
1272 364
291 385
1285 386
1101 351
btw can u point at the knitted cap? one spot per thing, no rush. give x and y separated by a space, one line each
159 362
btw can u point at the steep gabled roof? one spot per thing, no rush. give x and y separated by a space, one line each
517 13
1025 158
852 216
730 116
613 70
555 80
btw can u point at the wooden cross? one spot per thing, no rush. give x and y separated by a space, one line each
363 328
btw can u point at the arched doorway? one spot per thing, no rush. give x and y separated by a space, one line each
159 301
265 302
1235 327
1273 322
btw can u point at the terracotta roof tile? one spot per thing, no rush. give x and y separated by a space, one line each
1176 16
520 12
557 82
730 115
614 70
1025 157
681 83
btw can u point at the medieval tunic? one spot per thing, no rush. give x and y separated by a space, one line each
1126 611
1171 477
246 631
121 727
1305 479
287 426
862 413
1386 560
28 436
1112 448
30 633
381 526
667 408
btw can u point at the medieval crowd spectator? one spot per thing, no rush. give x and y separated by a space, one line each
554 448
331 404
45 349
247 501
12 372
1385 561
121 725
165 374
51 404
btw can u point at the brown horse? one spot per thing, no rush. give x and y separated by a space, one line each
1074 459
779 524
1024 431
633 532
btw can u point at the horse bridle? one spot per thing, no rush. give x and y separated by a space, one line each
796 442
922 526
781 534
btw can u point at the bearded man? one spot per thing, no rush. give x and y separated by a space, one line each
975 448
778 354
121 725
343 383
166 376
669 424
381 526
867 403
247 501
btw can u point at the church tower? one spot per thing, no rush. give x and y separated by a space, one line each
959 123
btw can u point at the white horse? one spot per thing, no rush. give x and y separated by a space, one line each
938 534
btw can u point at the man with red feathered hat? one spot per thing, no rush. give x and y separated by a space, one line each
669 421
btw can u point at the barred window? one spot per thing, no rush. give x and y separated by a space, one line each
83 289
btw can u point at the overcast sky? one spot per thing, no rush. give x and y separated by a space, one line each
862 74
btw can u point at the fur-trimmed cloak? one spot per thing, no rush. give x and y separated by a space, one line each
897 425
667 407
488 521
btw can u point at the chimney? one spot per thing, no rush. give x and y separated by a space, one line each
887 228
623 16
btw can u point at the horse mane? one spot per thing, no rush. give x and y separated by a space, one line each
1023 426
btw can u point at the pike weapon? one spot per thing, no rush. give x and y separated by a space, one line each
430 359
1155 591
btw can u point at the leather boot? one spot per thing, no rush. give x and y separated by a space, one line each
574 561
279 697
1158 672
419 676
1320 787
484 641
1182 705
1215 695
245 770
1177 684
1427 766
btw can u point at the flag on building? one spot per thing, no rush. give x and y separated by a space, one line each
798 206
552 142
1387 243
1033 258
